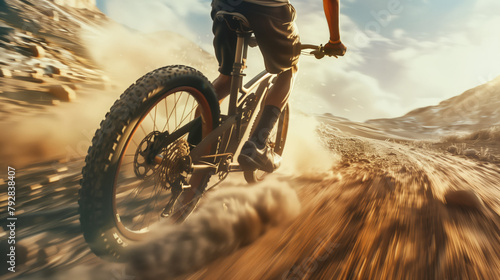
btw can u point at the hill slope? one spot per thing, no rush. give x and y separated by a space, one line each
71 44
475 109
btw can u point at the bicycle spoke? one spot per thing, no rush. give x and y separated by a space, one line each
175 115
153 118
143 130
194 109
183 111
139 189
137 145
156 195
194 106
166 113
146 210
173 109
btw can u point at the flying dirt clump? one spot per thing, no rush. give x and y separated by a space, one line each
227 221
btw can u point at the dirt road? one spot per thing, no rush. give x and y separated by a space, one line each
380 214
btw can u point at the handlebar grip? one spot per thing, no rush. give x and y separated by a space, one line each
317 51
318 54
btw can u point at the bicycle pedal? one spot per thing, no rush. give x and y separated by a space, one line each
247 164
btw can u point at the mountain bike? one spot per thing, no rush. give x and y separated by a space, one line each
161 142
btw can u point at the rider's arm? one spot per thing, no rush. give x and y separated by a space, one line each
334 45
331 8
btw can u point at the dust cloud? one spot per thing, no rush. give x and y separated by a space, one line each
63 132
127 55
229 219
226 220
305 155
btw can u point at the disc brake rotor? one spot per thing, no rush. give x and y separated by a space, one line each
144 166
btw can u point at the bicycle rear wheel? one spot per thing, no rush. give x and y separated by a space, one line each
277 140
139 158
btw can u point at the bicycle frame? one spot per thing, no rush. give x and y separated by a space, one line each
234 126
234 122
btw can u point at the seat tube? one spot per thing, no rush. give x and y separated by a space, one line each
237 74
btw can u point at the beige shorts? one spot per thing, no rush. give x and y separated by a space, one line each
274 29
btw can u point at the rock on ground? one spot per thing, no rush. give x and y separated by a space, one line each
37 51
5 73
63 92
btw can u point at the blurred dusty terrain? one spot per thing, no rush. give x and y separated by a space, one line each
61 68
385 208
380 213
383 215
473 110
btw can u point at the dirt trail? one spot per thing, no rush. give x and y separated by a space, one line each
381 215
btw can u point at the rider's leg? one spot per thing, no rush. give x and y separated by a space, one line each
275 102
280 91
255 153
222 86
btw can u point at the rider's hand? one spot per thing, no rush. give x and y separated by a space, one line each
337 49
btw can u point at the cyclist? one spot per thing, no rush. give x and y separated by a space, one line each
273 23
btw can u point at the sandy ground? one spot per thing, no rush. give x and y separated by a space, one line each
383 216
379 213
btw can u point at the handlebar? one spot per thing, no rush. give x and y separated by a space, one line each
317 51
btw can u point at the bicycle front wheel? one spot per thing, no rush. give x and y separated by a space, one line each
140 156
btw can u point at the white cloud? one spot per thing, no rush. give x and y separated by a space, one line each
417 57
190 18
439 68
326 86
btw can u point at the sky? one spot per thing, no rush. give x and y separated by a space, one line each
402 54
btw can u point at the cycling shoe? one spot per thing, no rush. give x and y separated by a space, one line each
252 158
